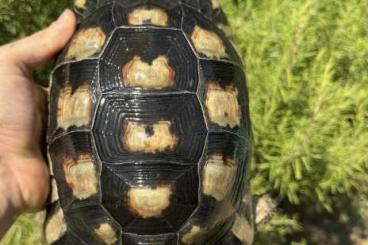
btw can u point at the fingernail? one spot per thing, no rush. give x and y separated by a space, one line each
62 18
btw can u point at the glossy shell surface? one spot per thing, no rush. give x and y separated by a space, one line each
149 129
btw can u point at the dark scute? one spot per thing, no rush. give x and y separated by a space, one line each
211 212
194 18
221 19
90 7
226 74
69 239
219 232
84 220
192 3
102 18
148 44
120 178
76 74
164 239
210 234
184 111
123 8
72 146
222 143
229 239
230 145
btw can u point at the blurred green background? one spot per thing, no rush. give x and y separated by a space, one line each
307 68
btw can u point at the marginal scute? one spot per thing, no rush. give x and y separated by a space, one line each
74 108
192 236
243 230
226 29
216 4
218 176
54 190
148 202
81 4
157 75
229 113
87 43
55 227
208 43
107 234
142 15
51 165
81 176
141 137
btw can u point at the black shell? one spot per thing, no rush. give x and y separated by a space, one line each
149 129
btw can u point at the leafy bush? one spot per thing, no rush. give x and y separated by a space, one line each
307 72
19 18
307 68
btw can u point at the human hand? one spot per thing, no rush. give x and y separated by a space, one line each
24 177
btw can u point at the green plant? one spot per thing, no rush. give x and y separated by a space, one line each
26 231
19 18
308 79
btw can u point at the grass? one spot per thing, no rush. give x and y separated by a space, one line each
307 68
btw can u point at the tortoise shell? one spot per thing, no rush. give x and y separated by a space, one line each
149 129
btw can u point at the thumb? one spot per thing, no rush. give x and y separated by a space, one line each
38 48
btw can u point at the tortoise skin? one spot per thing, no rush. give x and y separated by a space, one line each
149 130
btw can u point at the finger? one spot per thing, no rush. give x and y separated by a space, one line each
38 48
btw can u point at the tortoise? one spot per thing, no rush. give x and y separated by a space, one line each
149 135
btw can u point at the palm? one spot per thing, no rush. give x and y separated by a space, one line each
23 172
22 109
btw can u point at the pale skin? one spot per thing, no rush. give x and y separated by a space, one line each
24 176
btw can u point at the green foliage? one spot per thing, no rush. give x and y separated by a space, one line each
27 231
19 18
306 63
307 74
